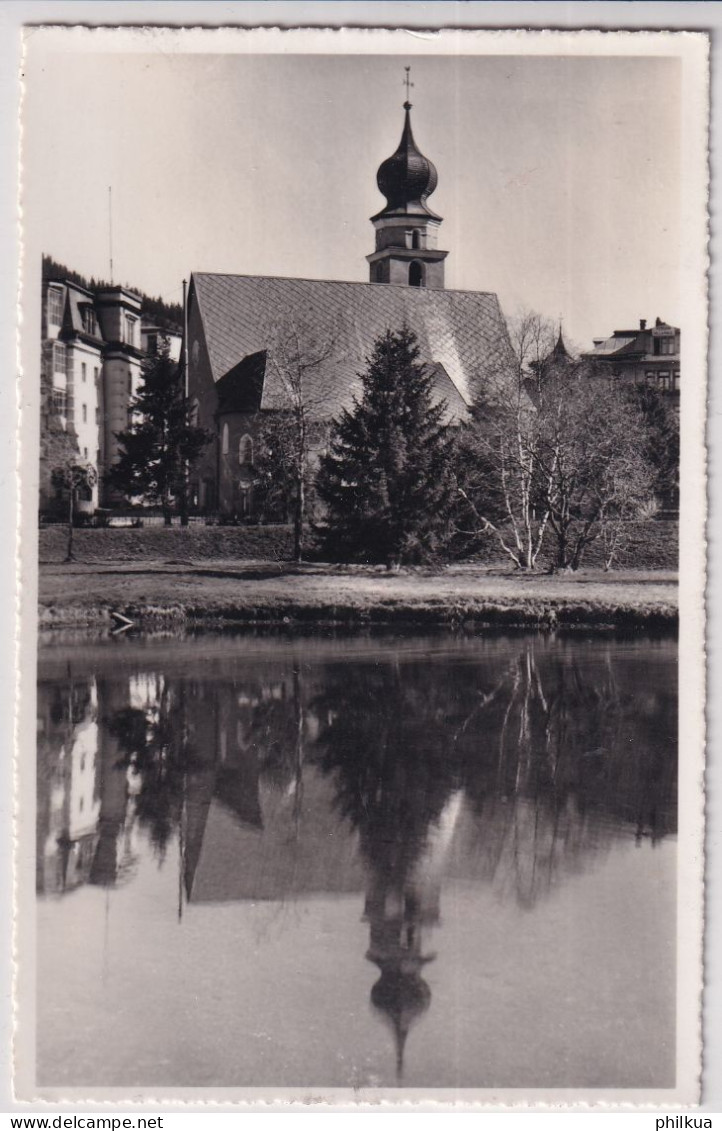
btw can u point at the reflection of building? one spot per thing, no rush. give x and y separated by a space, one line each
83 790
68 802
250 337
649 355
245 839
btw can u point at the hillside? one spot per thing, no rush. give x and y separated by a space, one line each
167 315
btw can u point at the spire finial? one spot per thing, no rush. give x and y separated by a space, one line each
408 84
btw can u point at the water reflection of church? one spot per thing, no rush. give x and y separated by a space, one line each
298 780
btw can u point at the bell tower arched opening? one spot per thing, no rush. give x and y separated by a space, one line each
416 274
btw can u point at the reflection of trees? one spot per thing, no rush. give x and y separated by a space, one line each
574 756
276 730
385 738
154 745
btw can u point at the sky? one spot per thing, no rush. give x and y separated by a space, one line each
559 177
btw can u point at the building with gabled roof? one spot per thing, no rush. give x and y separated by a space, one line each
239 327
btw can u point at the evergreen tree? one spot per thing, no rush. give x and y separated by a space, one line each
161 443
386 479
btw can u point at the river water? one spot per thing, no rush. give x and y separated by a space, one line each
357 861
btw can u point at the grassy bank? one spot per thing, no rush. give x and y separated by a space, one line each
161 594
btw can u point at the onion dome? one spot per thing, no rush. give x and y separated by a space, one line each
401 996
407 178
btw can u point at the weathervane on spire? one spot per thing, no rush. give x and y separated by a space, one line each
408 84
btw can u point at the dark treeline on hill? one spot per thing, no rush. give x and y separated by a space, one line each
167 315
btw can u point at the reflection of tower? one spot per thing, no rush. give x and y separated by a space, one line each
397 915
400 909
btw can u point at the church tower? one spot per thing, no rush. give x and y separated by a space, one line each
407 229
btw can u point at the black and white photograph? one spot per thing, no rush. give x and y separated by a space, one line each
362 705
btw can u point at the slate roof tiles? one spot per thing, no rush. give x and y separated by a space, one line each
462 333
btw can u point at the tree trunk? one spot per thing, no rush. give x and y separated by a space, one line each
529 552
576 557
71 520
561 550
298 520
183 493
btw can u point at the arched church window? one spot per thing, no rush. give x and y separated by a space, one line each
416 274
224 440
245 449
416 239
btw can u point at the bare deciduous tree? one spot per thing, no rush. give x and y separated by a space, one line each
564 452
298 351
498 476
594 467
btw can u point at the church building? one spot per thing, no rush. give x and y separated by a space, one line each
255 344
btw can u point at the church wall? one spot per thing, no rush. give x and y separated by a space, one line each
235 478
237 496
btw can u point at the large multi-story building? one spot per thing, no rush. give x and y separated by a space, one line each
90 370
649 355
93 345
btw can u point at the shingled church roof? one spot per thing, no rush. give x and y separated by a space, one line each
462 334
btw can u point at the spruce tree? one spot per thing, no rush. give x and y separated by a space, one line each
386 479
161 443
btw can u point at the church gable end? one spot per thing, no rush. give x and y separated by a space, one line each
204 399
